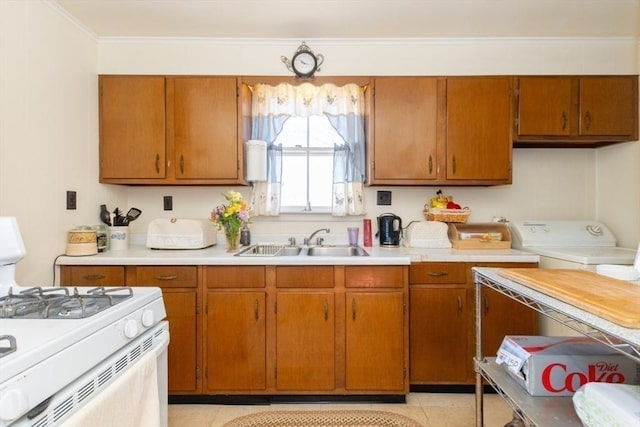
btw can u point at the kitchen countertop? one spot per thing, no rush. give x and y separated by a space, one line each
216 255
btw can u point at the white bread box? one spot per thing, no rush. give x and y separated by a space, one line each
427 234
179 233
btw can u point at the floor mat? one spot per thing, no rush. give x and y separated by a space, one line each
334 418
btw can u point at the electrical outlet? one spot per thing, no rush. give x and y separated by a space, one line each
384 198
168 203
71 200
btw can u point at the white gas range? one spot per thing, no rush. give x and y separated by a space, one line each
63 349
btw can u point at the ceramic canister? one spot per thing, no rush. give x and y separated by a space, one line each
81 241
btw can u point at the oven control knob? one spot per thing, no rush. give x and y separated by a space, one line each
130 328
147 318
13 404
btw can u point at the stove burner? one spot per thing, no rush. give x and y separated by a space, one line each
58 303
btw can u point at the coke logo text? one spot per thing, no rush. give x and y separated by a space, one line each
556 378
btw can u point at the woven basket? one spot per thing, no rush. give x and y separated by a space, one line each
447 215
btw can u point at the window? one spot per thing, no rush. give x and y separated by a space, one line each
307 163
315 148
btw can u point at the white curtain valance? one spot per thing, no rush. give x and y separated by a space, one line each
308 100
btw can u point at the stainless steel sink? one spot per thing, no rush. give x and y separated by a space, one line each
339 251
289 251
269 250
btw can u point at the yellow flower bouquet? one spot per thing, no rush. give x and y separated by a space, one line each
231 217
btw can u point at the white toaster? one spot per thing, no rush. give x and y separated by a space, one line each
427 234
178 233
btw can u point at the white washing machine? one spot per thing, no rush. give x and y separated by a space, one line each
568 244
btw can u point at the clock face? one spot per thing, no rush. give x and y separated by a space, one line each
304 64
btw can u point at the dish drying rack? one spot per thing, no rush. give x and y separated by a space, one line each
262 249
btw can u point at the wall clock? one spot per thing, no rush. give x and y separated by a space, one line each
304 63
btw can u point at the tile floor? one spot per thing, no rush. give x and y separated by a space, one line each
430 409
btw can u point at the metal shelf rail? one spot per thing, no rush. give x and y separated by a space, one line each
541 411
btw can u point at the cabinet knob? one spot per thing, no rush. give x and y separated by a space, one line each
564 120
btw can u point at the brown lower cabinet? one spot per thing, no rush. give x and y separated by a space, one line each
442 321
179 286
329 329
306 329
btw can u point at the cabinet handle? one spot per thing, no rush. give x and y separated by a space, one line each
459 305
168 277
182 164
485 304
587 120
437 273
157 163
353 309
326 310
430 164
94 277
564 120
255 309
453 165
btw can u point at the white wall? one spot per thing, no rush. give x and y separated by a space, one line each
48 130
49 136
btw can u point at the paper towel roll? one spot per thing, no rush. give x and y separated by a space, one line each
636 263
256 160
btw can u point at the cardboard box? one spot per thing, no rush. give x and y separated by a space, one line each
558 366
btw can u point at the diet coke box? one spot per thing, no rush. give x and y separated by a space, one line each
558 366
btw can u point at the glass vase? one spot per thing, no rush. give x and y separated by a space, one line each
233 239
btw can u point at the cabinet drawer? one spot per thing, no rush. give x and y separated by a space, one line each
438 272
375 277
166 276
92 276
235 277
305 277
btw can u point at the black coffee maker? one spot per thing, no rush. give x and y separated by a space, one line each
389 230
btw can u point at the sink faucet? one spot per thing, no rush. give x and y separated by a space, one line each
307 240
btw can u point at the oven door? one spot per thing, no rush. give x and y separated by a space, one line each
133 380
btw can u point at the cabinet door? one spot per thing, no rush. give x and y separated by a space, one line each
236 340
608 105
132 128
374 318
404 145
183 330
305 341
478 129
504 316
545 105
439 334
204 125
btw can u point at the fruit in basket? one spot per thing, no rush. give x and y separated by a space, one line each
439 201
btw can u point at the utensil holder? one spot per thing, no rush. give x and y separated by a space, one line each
119 238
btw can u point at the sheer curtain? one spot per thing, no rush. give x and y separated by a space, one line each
344 107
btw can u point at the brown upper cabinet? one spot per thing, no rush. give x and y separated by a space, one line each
576 110
170 130
436 130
